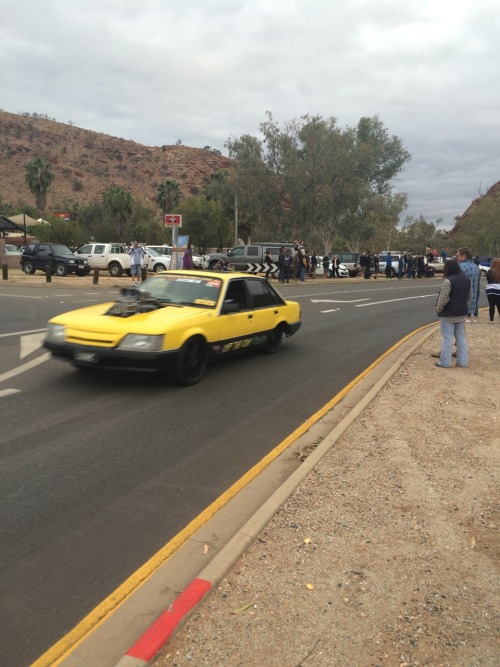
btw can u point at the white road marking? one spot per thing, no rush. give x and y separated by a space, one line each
407 298
22 333
8 392
25 367
338 300
333 310
23 296
31 343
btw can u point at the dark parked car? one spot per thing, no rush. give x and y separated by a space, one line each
59 257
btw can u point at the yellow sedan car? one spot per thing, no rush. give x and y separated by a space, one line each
176 322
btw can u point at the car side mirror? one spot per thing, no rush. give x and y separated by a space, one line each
230 307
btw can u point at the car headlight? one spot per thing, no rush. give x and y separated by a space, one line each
141 343
56 333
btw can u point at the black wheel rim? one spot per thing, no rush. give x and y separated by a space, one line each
193 361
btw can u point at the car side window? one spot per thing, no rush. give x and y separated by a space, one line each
98 249
43 249
261 295
236 293
85 250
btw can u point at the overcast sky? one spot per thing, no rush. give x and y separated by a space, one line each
202 71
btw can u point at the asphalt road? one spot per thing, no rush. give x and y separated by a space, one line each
99 471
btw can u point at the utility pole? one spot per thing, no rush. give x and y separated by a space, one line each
235 219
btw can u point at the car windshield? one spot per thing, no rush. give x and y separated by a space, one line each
183 290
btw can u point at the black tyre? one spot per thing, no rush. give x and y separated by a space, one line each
29 268
115 269
191 362
61 270
159 267
273 342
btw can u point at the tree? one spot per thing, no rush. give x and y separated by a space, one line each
118 206
417 233
312 179
169 196
38 178
205 222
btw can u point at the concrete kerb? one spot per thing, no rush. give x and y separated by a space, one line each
171 621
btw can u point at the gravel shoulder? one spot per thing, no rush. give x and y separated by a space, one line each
387 554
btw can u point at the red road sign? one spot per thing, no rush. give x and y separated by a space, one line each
173 220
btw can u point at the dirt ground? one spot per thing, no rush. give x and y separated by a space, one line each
387 555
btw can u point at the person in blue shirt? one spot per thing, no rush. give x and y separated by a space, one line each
388 266
467 265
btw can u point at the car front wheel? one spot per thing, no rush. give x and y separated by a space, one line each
29 268
61 269
191 362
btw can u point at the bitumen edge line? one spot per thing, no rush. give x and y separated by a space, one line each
173 618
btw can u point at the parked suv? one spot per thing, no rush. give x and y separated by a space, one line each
59 257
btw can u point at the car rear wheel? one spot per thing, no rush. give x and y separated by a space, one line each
273 341
29 268
61 269
191 362
115 269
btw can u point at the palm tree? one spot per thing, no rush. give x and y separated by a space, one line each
169 195
38 178
118 205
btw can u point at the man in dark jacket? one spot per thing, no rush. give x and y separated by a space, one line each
451 307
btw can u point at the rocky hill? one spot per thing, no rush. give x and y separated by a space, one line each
492 193
85 163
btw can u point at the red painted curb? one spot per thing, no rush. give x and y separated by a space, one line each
160 631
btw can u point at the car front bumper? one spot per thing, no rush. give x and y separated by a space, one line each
86 356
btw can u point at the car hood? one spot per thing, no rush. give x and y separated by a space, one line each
98 320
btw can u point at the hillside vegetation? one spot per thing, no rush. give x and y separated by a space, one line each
85 163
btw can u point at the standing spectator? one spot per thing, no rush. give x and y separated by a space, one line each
428 253
365 262
336 266
302 265
314 264
444 254
286 267
326 266
376 266
187 260
136 253
401 265
452 305
268 261
464 258
388 266
410 264
420 266
493 288
281 258
296 265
